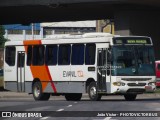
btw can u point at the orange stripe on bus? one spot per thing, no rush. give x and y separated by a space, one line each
41 72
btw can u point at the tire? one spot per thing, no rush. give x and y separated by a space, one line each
37 92
92 92
130 97
73 96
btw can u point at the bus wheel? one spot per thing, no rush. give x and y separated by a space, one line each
73 96
130 97
92 92
37 92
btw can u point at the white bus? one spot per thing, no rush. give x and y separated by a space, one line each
70 65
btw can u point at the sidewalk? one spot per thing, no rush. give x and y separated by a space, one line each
8 94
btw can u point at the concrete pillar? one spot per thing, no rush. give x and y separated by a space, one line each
140 23
6 34
41 32
24 34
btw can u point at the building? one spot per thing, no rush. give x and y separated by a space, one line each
42 30
22 32
68 27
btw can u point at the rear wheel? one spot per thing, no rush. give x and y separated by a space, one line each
130 97
92 92
37 92
73 96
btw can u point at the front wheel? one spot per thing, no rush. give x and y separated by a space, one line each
130 97
92 92
37 92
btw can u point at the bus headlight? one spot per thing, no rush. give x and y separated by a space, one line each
151 83
119 84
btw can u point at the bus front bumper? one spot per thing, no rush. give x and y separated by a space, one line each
135 89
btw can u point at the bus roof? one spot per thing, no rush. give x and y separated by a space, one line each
72 38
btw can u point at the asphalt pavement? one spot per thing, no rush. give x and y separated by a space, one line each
10 94
57 108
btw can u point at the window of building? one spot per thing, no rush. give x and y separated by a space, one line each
29 55
51 55
64 54
90 54
78 54
15 32
35 32
10 53
38 55
48 31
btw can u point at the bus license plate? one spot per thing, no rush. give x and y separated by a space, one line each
148 87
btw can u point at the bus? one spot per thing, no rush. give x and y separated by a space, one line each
96 64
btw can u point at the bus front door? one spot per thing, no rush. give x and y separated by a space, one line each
101 69
20 71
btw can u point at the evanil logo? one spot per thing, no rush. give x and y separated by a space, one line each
78 73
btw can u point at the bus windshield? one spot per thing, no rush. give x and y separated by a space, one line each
134 60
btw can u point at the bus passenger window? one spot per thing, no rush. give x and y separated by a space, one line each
78 54
29 55
64 54
51 55
10 53
38 55
90 54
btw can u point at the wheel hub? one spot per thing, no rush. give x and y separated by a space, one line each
93 91
36 91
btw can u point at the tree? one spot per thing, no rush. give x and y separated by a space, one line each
2 39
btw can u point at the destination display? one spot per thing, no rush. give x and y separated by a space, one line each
131 40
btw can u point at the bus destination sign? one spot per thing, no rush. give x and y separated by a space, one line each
134 40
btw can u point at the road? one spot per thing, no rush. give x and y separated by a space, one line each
58 105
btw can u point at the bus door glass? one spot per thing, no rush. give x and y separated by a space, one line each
101 69
20 71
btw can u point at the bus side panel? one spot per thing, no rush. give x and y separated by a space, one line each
60 73
67 87
82 72
61 78
10 74
28 79
28 87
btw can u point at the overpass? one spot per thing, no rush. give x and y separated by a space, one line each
27 11
131 17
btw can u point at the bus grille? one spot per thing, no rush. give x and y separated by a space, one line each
135 90
134 84
136 79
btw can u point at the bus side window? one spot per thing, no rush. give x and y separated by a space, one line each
29 55
90 54
10 53
78 54
38 55
51 55
64 54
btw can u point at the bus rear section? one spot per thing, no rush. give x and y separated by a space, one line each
96 63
